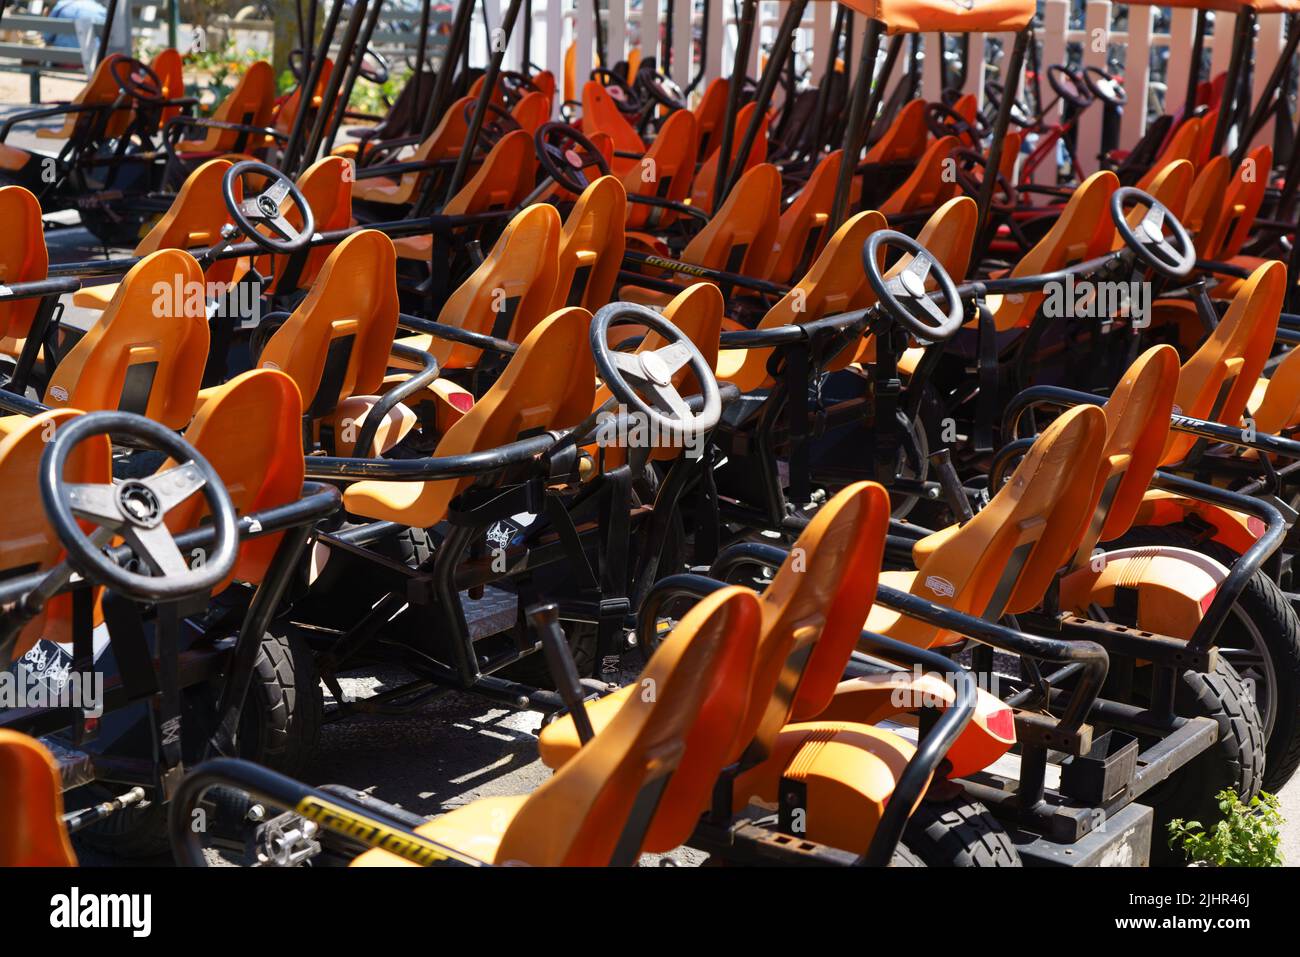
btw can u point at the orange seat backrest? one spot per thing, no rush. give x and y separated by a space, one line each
287 110
600 114
548 384
23 257
249 103
336 343
31 805
147 350
1245 196
834 284
706 179
1182 145
1002 560
820 597
801 232
444 143
1137 427
1205 205
250 430
502 182
740 236
27 541
577 817
1216 382
927 185
512 289
666 171
100 90
326 185
708 116
1082 232
169 67
906 137
532 110
195 218
590 249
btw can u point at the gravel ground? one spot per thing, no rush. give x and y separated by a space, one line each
458 748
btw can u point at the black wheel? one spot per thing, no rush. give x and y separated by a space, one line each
904 857
279 728
1235 761
959 832
533 670
1261 639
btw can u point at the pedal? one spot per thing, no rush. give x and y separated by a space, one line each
287 840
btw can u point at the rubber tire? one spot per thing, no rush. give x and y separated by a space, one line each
905 857
1266 605
959 832
280 734
1235 761
535 672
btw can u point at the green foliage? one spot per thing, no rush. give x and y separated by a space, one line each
369 98
1247 835
211 74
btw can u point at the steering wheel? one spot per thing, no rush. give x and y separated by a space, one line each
631 375
1173 255
497 122
134 509
625 98
514 85
1020 114
945 121
374 67
565 154
1069 86
661 89
903 294
267 209
137 79
1107 88
967 160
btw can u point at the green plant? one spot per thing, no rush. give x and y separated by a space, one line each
1247 835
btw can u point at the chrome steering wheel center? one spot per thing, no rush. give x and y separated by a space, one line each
656 369
139 505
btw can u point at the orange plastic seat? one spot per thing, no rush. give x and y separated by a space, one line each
1217 380
286 111
335 345
834 284
1184 145
23 258
444 143
637 765
708 116
601 114
590 248
146 352
905 138
100 90
31 805
1083 231
930 184
739 237
802 233
168 66
194 219
248 104
326 185
1204 208
28 542
548 384
509 293
665 172
503 182
1002 560
532 110
250 430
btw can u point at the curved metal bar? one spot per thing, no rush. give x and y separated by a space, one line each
390 399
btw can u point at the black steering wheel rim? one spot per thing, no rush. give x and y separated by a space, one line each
662 89
966 160
1147 240
1069 86
377 71
135 509
945 121
1104 86
1020 113
267 208
558 162
129 80
654 370
903 296
497 122
624 96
